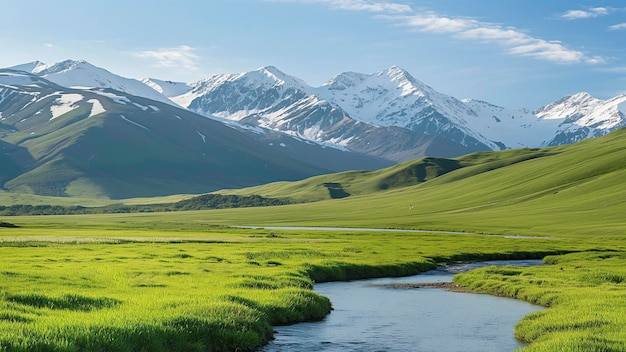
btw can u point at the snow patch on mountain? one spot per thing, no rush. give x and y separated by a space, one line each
118 99
64 104
134 123
96 107
144 108
202 136
271 76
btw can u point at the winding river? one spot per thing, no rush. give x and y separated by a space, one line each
372 315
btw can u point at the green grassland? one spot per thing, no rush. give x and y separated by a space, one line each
187 281
101 283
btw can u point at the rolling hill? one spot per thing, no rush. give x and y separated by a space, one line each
355 183
519 192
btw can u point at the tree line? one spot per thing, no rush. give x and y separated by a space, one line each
203 202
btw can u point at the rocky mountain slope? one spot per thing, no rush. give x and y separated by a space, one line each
393 115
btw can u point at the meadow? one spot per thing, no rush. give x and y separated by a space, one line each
109 283
188 281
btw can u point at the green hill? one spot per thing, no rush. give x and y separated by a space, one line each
354 183
576 189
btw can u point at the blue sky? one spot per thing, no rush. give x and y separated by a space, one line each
514 53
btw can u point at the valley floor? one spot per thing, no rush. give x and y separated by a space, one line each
160 282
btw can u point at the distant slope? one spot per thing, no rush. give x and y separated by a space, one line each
353 183
350 183
583 185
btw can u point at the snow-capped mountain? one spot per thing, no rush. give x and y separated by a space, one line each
581 116
76 74
387 114
271 99
352 106
393 97
120 145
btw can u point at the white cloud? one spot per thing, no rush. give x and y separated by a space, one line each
580 14
363 5
437 24
49 45
358 5
182 57
618 26
513 40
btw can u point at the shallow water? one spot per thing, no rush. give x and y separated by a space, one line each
355 229
368 317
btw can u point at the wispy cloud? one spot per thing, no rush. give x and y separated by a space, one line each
618 26
515 41
182 57
614 69
358 5
590 13
363 5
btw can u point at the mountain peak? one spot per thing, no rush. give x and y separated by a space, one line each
344 81
271 70
408 83
82 74
578 99
30 67
582 96
270 75
396 70
63 66
273 73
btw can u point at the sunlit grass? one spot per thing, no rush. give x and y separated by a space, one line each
585 293
81 284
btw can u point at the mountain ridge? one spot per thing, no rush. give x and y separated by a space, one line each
351 107
392 97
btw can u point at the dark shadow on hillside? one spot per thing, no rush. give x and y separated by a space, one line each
336 190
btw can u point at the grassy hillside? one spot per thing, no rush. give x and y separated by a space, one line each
349 183
355 183
514 192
